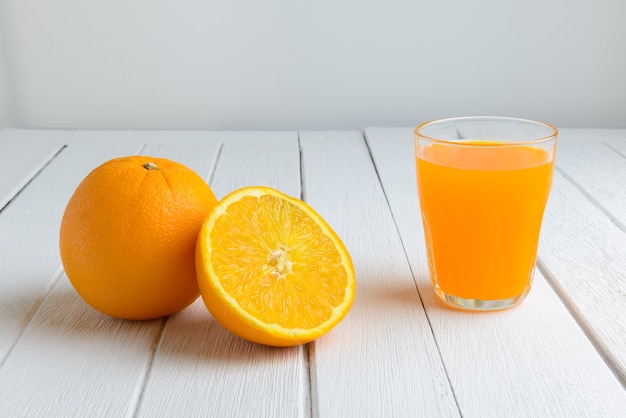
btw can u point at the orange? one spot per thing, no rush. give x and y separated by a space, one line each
271 270
128 236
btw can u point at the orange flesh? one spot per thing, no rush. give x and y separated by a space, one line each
278 279
482 209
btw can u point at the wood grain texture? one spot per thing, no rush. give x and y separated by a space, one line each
533 360
584 253
74 361
615 138
29 266
382 359
594 164
201 369
274 163
583 245
23 155
617 143
397 353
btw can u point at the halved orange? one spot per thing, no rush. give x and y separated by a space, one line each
271 270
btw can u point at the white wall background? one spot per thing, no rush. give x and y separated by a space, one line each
309 64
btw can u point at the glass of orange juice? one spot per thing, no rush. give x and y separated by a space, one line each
483 184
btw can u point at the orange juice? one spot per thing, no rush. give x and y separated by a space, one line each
482 204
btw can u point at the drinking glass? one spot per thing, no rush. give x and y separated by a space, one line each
483 184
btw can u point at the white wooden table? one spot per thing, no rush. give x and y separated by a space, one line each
398 352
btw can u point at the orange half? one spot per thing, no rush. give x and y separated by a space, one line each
271 270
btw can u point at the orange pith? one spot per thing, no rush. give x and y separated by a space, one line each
271 270
128 235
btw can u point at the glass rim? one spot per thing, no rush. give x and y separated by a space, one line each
542 139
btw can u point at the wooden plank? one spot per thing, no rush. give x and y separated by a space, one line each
591 161
583 245
200 369
381 360
273 163
29 228
43 359
533 360
74 361
22 155
184 137
584 253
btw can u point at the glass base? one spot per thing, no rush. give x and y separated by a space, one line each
479 304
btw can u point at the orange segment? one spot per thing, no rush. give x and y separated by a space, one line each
271 270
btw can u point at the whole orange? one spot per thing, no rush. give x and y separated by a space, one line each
128 236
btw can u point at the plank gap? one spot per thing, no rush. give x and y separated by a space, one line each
310 390
620 153
397 228
28 317
309 382
596 342
413 275
590 198
143 149
209 177
46 164
302 188
314 397
135 402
